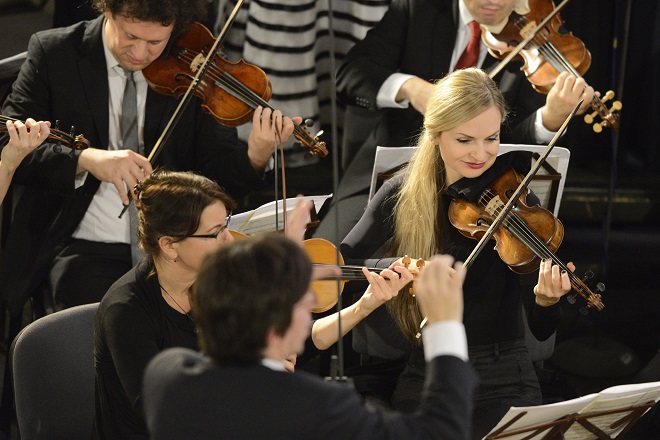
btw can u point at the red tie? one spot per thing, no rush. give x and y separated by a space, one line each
470 55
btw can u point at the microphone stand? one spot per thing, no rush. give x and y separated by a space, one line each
336 361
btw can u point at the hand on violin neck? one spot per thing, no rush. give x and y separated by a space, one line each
416 91
382 287
23 139
553 283
269 128
563 97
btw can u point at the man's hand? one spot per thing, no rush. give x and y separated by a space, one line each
439 290
562 99
417 91
268 127
118 167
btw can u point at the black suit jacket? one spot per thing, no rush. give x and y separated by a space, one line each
417 37
188 396
65 79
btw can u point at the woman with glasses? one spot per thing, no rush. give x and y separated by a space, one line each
182 218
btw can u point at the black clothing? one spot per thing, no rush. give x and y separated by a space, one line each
133 324
493 303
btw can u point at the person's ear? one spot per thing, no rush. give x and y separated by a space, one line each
168 247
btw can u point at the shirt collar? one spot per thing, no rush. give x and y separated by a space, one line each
272 364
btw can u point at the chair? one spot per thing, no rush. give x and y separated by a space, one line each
52 362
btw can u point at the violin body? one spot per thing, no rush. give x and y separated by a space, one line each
551 50
172 75
473 220
540 72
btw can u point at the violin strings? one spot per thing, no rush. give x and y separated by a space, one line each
246 95
522 232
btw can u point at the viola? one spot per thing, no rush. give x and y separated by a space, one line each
322 252
552 50
526 235
230 91
70 140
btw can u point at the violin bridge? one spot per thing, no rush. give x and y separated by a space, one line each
528 29
197 62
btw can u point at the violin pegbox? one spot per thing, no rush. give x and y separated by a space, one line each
416 270
609 117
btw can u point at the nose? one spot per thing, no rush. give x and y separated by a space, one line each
226 236
140 50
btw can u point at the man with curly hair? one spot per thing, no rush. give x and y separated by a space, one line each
66 235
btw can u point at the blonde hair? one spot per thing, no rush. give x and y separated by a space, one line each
419 225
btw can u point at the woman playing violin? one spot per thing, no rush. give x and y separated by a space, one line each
182 218
23 138
456 157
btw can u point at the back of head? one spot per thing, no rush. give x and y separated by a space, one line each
181 13
170 203
243 290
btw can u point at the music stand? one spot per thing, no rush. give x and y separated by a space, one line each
605 415
548 184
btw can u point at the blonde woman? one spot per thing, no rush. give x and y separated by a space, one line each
457 157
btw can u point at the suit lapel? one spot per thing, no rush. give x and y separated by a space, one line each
94 79
443 36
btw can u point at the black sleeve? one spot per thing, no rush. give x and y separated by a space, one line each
50 166
371 61
371 236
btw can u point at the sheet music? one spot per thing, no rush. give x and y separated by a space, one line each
262 219
618 397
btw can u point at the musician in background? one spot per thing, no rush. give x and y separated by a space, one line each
23 138
67 235
392 70
253 306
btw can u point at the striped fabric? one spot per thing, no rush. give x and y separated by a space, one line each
290 41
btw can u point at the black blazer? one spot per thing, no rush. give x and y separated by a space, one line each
187 396
65 79
417 37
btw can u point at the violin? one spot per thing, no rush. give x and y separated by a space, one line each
230 91
550 51
70 140
323 252
526 235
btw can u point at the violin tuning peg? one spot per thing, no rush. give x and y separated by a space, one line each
571 298
57 124
587 276
72 133
308 122
600 287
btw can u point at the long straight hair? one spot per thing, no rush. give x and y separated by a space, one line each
419 224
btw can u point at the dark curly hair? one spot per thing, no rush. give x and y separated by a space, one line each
181 13
243 290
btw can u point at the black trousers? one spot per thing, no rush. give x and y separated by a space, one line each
84 271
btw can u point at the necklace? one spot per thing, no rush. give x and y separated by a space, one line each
175 302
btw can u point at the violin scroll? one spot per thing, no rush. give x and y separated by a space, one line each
69 140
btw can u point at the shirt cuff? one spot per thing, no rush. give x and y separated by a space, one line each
445 338
386 97
80 179
542 134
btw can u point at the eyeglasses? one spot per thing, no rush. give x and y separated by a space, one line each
214 236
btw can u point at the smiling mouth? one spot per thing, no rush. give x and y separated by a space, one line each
475 165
